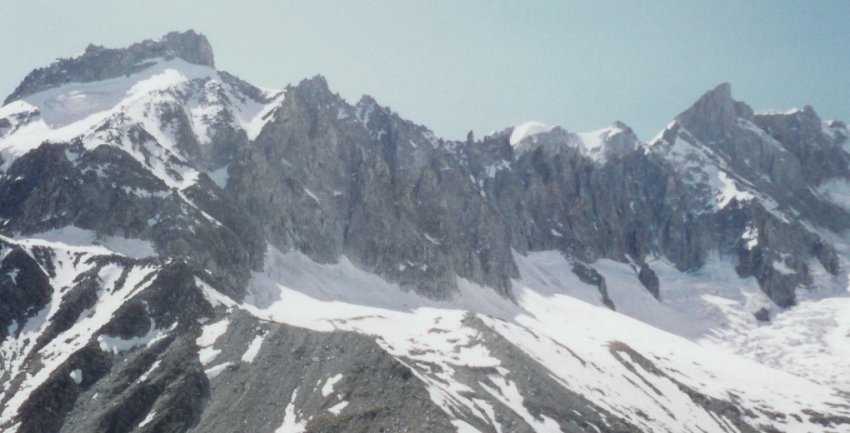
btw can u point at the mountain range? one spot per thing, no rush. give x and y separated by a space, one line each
183 251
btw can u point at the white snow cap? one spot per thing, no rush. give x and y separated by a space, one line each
598 145
596 139
528 129
603 143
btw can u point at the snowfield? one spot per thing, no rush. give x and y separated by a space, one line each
630 368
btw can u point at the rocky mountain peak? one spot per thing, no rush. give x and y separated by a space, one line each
367 103
367 100
622 126
313 93
100 63
190 46
315 85
714 114
91 48
621 131
616 140
368 109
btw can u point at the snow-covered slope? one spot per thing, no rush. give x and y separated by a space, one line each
146 97
629 369
29 358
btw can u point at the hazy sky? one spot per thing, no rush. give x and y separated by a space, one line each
483 65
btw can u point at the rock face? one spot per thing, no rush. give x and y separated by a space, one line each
183 251
373 187
765 192
25 288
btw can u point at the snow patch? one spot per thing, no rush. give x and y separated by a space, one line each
328 387
253 116
836 191
311 195
214 297
209 335
337 408
149 371
750 237
506 392
219 176
77 376
292 422
729 191
464 427
253 349
213 372
782 268
148 419
71 236
13 274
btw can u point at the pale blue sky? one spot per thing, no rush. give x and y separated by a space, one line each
483 65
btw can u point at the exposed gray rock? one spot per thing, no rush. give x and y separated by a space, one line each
24 288
591 276
820 155
330 179
292 368
647 277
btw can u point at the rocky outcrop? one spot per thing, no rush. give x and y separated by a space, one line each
99 63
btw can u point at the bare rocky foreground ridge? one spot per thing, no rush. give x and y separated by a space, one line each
183 251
